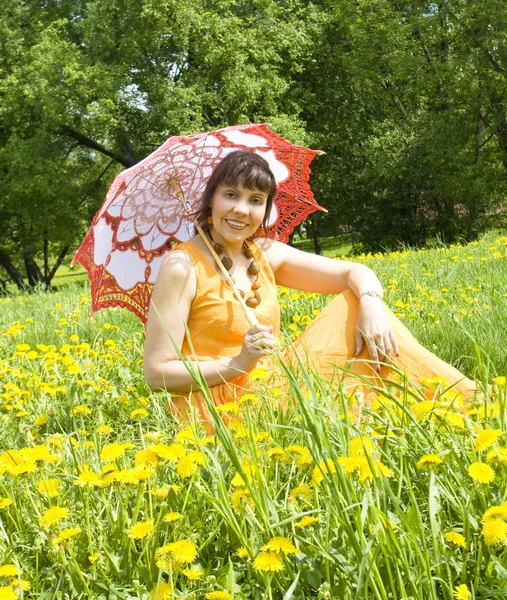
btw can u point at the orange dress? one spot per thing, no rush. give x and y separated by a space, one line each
217 324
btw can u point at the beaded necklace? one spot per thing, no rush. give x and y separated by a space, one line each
253 269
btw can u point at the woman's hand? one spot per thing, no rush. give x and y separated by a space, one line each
374 329
257 342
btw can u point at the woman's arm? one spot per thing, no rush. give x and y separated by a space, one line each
312 273
170 304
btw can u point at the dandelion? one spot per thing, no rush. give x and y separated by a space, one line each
9 571
494 512
49 487
307 521
258 374
229 408
350 464
111 452
172 453
5 502
40 421
498 455
280 544
141 530
104 429
22 468
303 491
461 592
93 558
52 516
7 593
139 414
181 552
428 462
145 458
218 596
161 493
324 468
186 467
67 534
127 476
242 552
455 538
82 409
481 473
87 479
162 591
268 561
172 516
494 531
487 438
193 574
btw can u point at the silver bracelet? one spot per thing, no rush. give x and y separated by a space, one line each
372 294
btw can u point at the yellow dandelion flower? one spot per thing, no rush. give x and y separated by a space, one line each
258 374
278 454
455 538
7 593
197 457
67 534
82 409
161 493
262 436
139 414
218 596
302 455
269 562
141 530
498 455
162 591
428 462
242 552
303 491
280 544
350 464
93 558
481 473
361 446
172 516
5 502
104 429
127 476
40 421
494 512
22 468
172 453
49 487
111 452
52 516
324 468
193 574
25 585
186 467
247 398
494 531
461 592
307 521
9 571
87 479
181 552
229 408
154 436
239 499
145 458
487 438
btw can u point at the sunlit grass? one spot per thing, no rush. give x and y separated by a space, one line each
303 490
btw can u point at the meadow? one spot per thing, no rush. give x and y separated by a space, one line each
303 490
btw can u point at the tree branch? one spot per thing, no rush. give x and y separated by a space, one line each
86 141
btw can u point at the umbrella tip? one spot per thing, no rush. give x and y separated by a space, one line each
324 210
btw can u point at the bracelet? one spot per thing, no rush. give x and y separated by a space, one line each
372 294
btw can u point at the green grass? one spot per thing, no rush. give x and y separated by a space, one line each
383 515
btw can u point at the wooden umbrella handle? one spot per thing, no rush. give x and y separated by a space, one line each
250 315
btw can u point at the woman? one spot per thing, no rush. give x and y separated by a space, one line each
194 313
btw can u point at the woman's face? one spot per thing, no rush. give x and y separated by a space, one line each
237 212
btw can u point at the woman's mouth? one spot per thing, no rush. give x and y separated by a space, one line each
236 224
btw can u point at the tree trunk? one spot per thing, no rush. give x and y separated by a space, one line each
58 262
317 244
33 272
13 273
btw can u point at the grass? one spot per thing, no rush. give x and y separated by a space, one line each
302 491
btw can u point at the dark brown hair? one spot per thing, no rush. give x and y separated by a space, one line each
239 167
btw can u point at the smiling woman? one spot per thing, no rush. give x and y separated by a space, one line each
206 323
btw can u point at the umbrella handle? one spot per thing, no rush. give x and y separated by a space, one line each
250 315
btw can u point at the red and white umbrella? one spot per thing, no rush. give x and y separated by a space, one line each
143 216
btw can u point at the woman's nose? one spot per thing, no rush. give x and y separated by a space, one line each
241 208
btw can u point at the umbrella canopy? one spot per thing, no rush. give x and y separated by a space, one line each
143 216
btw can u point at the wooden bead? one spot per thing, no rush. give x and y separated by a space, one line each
218 248
255 285
253 268
241 293
227 262
247 251
257 298
251 302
